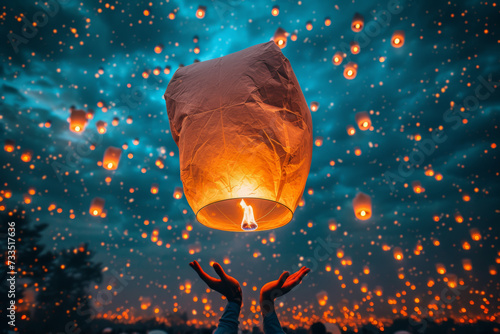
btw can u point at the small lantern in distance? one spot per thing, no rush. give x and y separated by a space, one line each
96 206
363 120
358 22
200 12
111 158
337 59
398 39
362 205
77 120
280 37
350 70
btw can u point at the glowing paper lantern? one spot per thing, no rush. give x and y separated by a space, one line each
467 264
101 127
27 155
355 48
417 187
244 132
362 205
275 11
337 59
111 158
154 188
78 120
350 130
9 145
358 22
280 37
440 268
363 120
96 206
314 106
322 297
398 39
398 253
475 234
350 70
178 193
200 13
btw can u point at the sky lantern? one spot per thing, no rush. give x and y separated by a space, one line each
318 141
275 11
178 193
362 205
475 234
398 253
90 113
458 218
314 106
309 25
492 270
111 158
358 22
328 21
9 145
338 57
322 298
154 188
77 120
244 133
350 70
467 264
280 37
355 48
363 120
417 187
398 39
201 11
27 155
350 130
440 268
96 206
101 127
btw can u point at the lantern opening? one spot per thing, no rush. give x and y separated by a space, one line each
248 223
259 214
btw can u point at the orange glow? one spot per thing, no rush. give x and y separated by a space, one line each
355 48
280 37
467 264
200 13
363 120
417 187
154 188
248 223
362 205
111 158
309 25
440 268
398 39
475 234
350 71
398 253
351 130
328 21
318 141
178 193
9 145
27 155
101 127
96 206
275 11
358 22
158 48
338 57
77 120
314 106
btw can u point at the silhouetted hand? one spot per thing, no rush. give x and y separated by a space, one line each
278 288
227 286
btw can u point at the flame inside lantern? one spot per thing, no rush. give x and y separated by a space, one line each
248 223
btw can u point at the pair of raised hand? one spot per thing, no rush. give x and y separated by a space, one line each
230 288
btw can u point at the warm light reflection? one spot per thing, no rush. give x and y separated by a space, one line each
248 223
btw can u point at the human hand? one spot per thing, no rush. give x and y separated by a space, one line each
272 290
227 286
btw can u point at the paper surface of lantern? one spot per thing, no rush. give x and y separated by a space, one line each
398 39
111 158
244 132
77 120
350 70
9 145
362 205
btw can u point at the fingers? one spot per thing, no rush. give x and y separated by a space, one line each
203 275
283 278
218 269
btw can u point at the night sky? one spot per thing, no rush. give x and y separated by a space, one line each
433 105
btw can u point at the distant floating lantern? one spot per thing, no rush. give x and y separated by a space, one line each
27 155
328 21
362 205
9 145
293 37
280 37
318 141
417 187
111 158
338 57
322 298
358 22
475 234
458 218
350 70
77 120
350 130
244 133
355 48
440 269
200 12
309 25
178 193
398 39
314 106
493 270
275 11
101 127
96 206
158 48
90 114
157 70
398 253
115 121
363 120
154 188
467 264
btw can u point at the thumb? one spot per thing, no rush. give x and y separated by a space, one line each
283 278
